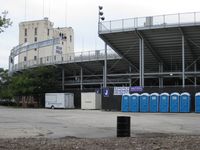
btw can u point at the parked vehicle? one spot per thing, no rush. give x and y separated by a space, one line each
59 100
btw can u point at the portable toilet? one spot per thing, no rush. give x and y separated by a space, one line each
134 102
164 102
125 103
185 102
154 100
174 102
197 102
144 102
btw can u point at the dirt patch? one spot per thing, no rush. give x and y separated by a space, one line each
142 142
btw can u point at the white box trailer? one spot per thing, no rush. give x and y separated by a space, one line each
90 100
59 100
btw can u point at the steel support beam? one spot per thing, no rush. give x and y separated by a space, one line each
195 78
151 48
81 79
130 79
105 67
120 54
85 68
63 79
136 75
187 40
160 78
183 61
141 63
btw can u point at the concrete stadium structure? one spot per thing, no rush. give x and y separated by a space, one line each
149 51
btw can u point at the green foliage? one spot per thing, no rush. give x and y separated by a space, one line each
4 21
35 81
29 82
5 90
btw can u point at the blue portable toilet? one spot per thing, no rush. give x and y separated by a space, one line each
164 102
197 102
185 102
134 102
144 102
125 103
174 102
154 100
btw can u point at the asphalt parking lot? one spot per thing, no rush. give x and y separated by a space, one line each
47 123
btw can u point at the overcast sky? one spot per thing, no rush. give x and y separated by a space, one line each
82 16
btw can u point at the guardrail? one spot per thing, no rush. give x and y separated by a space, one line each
159 21
63 59
26 47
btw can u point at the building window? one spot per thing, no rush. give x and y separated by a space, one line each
35 39
35 49
62 43
35 31
48 32
70 38
25 31
25 58
35 57
25 40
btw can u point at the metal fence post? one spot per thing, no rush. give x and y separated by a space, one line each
123 24
179 18
164 21
183 61
110 26
194 17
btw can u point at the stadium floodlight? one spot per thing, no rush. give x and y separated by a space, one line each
101 13
100 7
101 17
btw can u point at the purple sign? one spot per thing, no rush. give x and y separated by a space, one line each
106 92
97 91
136 89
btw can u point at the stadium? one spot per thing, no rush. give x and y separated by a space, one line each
158 53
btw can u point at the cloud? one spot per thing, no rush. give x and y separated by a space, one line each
82 15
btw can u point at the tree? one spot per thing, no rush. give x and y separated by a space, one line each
4 21
28 85
33 83
5 90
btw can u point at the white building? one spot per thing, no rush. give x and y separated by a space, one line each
35 32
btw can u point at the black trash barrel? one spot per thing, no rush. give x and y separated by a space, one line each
123 126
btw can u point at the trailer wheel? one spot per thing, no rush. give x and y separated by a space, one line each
52 107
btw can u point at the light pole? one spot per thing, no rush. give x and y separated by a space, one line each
101 17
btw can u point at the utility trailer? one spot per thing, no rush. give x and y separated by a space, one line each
59 100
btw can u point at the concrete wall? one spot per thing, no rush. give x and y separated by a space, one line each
43 30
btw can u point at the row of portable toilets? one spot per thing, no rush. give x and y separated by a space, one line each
155 102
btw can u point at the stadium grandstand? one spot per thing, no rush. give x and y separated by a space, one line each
154 52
